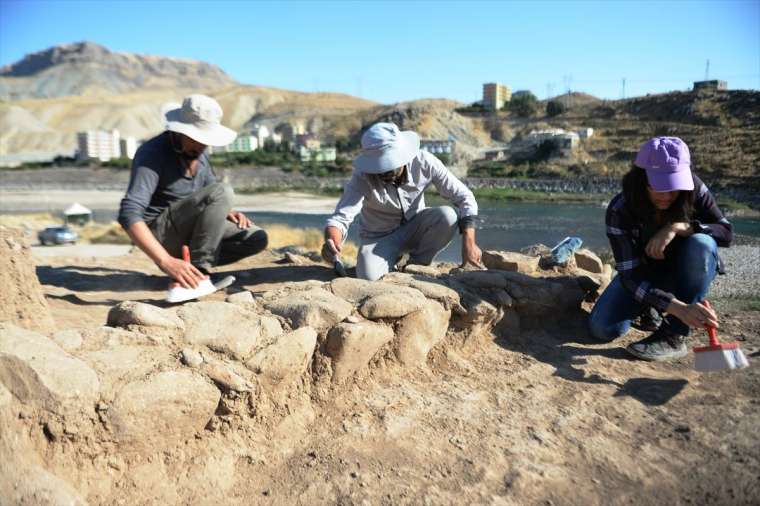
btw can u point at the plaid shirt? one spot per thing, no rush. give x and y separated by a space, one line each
626 235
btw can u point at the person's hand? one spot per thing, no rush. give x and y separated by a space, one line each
240 219
333 244
184 273
655 248
471 253
695 315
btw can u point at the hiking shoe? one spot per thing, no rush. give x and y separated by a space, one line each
662 345
648 321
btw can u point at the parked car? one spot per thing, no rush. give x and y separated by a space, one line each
57 235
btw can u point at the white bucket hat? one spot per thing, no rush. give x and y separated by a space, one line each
199 117
385 147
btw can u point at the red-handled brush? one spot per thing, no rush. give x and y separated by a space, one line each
718 356
177 293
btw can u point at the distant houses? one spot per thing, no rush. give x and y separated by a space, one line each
712 85
104 146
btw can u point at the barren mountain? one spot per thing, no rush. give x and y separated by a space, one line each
85 68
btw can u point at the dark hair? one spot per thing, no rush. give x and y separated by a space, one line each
635 185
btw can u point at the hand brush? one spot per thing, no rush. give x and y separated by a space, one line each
718 356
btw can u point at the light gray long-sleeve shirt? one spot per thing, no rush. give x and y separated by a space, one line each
384 207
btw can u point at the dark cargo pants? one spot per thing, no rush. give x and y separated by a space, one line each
200 221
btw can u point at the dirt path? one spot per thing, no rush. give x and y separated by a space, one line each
546 417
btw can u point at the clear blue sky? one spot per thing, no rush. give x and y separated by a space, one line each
393 51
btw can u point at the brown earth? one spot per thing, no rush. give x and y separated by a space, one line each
530 413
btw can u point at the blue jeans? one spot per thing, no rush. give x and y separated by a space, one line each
686 272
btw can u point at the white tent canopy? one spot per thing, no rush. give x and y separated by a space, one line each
76 209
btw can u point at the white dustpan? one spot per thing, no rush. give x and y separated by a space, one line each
178 293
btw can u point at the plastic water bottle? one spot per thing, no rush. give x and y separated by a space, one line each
562 252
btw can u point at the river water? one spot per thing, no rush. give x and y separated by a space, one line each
512 225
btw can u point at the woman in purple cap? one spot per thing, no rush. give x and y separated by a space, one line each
664 229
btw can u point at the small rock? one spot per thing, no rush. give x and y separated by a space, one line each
352 346
588 261
69 340
511 261
418 332
504 299
240 298
191 358
146 315
287 357
390 305
225 377
315 308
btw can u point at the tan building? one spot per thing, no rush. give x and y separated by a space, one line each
495 95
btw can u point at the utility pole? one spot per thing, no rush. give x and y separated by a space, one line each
622 90
707 70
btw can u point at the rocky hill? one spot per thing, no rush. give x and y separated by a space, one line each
86 68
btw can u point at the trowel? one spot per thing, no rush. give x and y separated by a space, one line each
338 266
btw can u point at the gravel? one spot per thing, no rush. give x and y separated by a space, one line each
742 277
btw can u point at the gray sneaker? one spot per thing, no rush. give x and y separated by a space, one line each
660 346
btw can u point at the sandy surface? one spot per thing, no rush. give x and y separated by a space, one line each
55 201
544 417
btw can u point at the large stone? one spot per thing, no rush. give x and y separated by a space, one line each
287 357
430 288
511 261
418 332
145 315
390 305
352 346
227 328
241 298
160 411
225 377
35 486
121 364
482 279
22 301
588 261
69 340
36 370
315 308
357 290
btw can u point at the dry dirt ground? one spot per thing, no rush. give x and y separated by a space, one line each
545 417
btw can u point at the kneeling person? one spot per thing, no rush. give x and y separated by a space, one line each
387 187
664 229
173 198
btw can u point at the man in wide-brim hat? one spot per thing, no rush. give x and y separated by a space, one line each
173 198
387 190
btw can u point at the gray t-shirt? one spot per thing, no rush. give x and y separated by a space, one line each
158 179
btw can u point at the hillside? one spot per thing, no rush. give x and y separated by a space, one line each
86 68
721 129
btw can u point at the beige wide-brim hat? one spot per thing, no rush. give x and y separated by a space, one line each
385 147
199 117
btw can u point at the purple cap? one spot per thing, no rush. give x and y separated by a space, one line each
667 162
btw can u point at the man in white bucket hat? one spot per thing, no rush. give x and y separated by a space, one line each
173 198
387 187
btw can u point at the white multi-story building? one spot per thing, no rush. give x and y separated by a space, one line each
99 145
261 133
128 147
